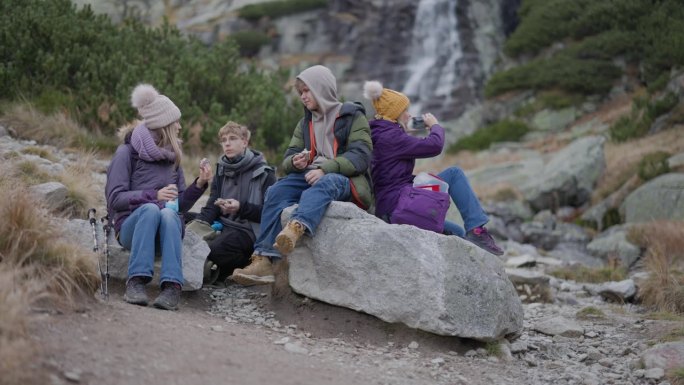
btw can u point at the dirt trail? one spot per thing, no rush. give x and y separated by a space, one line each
117 343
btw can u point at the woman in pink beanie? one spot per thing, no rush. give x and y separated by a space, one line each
146 197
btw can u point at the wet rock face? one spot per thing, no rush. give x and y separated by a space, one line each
361 40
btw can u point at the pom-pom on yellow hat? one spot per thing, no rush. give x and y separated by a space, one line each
388 104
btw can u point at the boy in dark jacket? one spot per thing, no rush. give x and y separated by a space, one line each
236 199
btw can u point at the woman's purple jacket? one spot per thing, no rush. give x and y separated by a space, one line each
128 189
394 157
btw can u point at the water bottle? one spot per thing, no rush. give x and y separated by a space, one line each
172 204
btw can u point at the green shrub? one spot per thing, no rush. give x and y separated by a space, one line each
542 23
648 32
505 130
644 113
611 218
654 164
560 72
555 100
659 83
626 128
276 9
57 56
249 42
661 106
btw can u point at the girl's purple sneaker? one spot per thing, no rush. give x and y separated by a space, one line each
480 237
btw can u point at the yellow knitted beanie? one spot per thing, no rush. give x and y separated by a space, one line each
388 104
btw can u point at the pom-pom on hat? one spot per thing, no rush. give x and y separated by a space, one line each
388 104
157 110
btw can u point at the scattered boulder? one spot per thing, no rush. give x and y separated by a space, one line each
676 161
554 120
51 194
620 292
614 244
399 273
569 177
667 356
559 326
660 198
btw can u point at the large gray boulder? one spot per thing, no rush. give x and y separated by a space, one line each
613 243
195 252
569 177
399 273
660 198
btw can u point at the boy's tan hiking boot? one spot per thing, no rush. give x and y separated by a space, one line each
287 239
259 272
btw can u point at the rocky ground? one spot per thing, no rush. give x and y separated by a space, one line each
249 336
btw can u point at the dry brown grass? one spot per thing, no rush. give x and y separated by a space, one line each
17 350
622 159
664 260
35 265
580 273
55 129
80 192
467 160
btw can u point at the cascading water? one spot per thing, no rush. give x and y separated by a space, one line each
434 55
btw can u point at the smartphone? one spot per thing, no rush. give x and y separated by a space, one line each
418 123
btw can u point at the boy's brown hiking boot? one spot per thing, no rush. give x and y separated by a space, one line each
259 272
287 239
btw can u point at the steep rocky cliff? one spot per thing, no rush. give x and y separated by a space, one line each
439 52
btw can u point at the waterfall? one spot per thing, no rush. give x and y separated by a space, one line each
434 54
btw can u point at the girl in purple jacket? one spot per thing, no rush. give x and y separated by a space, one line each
146 197
394 157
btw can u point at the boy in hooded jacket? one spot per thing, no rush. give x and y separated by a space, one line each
327 160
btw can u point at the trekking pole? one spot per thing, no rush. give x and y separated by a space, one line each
92 220
106 227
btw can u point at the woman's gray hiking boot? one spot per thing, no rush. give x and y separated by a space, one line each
169 297
480 237
135 291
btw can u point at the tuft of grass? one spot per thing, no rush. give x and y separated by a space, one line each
673 335
665 316
503 131
676 376
590 312
663 290
653 165
29 173
41 152
80 194
591 275
493 348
